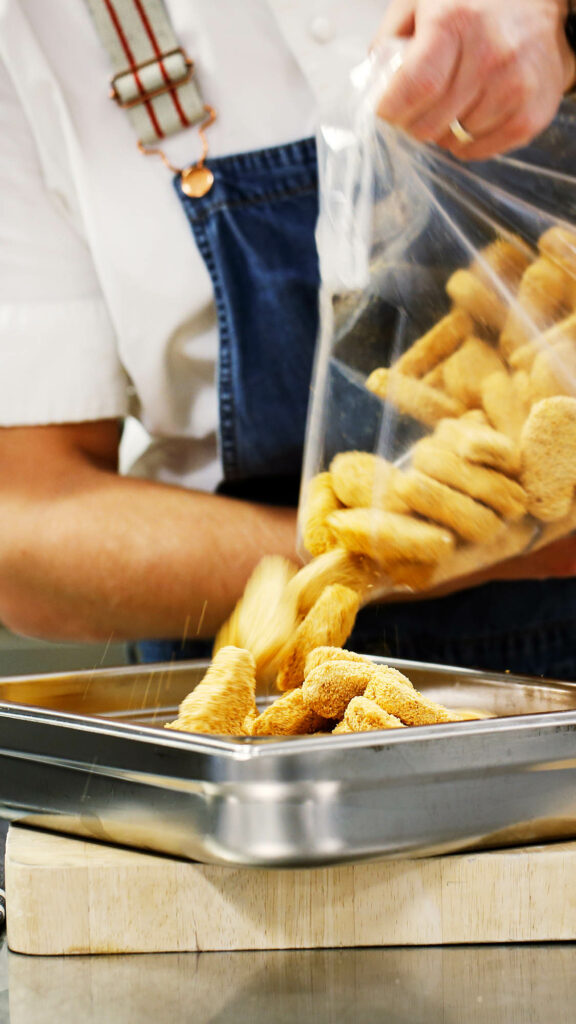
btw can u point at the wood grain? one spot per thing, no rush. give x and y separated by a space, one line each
70 896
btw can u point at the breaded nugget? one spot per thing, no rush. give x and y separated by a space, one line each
340 728
388 538
479 443
339 565
461 513
543 296
496 490
320 655
224 697
465 371
413 398
404 702
265 617
361 479
328 623
559 245
548 447
502 405
248 722
478 299
507 258
320 500
438 343
363 715
523 387
554 371
435 378
329 687
287 716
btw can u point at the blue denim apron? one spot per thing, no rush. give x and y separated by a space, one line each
255 230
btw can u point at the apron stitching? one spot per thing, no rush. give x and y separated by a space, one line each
227 425
198 214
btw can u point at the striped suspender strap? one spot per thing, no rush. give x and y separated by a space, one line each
152 75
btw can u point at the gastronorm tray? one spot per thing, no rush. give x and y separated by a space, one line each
85 753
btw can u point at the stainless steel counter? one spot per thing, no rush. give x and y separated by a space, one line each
488 984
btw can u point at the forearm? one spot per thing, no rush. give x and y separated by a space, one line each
125 558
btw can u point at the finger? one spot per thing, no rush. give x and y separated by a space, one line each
397 21
510 134
463 94
425 75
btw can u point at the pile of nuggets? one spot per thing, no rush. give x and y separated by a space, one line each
327 689
494 382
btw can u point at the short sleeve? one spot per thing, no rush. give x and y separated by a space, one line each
58 354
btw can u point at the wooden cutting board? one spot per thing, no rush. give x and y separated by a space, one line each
70 896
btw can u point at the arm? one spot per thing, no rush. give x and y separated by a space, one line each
86 554
498 66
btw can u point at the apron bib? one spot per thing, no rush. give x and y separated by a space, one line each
255 230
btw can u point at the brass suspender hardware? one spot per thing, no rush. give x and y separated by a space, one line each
197 179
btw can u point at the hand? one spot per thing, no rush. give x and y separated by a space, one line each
500 67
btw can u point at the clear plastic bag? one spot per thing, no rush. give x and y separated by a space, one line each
442 431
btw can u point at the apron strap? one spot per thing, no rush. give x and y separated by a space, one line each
153 77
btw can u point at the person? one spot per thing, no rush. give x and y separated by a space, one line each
136 496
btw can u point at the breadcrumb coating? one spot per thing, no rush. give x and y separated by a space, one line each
467 517
388 537
330 687
412 397
495 489
224 697
289 715
319 502
548 446
363 714
439 342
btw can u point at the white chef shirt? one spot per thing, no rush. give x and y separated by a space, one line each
106 308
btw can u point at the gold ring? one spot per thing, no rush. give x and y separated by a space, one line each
459 132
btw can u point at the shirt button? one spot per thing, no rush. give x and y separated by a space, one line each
322 29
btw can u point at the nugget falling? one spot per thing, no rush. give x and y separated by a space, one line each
363 715
320 501
413 398
288 716
471 294
265 617
223 699
496 490
339 565
388 538
434 346
548 447
461 513
329 688
328 623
